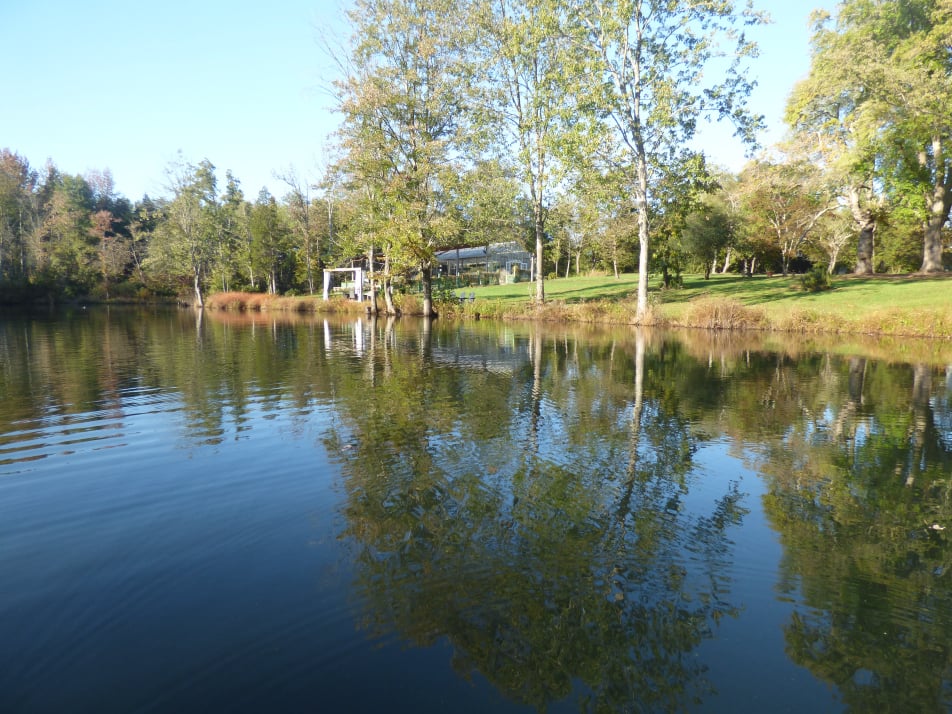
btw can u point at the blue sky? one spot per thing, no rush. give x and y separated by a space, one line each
127 85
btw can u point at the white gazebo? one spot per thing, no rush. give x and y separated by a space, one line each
358 281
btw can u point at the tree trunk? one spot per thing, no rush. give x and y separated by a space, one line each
373 285
727 260
307 261
427 279
932 245
199 298
866 225
540 235
388 296
388 287
641 204
939 204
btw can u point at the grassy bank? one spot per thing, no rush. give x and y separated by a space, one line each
879 305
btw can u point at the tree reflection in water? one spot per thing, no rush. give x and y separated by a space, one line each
530 510
857 458
863 512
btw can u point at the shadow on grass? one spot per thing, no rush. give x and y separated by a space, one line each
757 290
594 292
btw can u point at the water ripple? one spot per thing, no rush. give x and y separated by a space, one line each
109 424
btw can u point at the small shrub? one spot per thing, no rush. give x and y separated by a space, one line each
817 280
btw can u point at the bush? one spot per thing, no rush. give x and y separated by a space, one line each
817 280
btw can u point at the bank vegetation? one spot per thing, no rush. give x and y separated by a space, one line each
897 306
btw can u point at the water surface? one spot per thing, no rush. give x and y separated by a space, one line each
220 513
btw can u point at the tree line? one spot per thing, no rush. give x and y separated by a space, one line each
565 125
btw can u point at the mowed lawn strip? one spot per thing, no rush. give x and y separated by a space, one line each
851 300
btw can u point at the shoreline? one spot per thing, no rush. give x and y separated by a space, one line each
722 314
878 306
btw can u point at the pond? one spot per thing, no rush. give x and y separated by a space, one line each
232 513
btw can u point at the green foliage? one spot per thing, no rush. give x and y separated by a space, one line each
648 95
899 244
706 232
525 81
878 52
271 242
784 201
816 279
522 122
403 128
185 241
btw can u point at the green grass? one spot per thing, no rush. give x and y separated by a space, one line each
851 297
897 304
569 290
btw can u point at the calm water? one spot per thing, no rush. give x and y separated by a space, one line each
215 514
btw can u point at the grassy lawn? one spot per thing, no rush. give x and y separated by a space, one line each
570 290
896 305
779 297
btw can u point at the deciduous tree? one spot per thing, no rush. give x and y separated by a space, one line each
785 200
887 62
18 214
402 108
184 242
527 69
651 66
270 239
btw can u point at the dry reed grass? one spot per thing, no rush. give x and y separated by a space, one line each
916 323
262 302
226 301
720 314
408 304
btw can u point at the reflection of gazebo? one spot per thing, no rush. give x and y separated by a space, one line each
358 273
